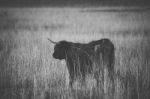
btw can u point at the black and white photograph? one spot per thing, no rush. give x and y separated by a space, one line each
74 49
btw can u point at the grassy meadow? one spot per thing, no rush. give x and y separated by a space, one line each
28 70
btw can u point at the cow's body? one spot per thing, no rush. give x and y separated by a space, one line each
81 58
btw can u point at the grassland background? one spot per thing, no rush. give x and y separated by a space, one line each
28 71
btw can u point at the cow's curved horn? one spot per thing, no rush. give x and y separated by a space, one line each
52 41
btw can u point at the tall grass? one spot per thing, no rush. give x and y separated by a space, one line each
28 71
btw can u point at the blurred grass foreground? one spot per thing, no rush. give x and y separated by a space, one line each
28 71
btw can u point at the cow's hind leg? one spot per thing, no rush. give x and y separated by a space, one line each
71 80
71 83
83 80
98 76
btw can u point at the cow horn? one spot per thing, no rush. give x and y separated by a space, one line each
52 41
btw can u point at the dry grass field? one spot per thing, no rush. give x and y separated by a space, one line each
28 70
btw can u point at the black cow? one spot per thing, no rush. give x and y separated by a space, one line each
81 58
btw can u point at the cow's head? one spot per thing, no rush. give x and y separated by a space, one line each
60 49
